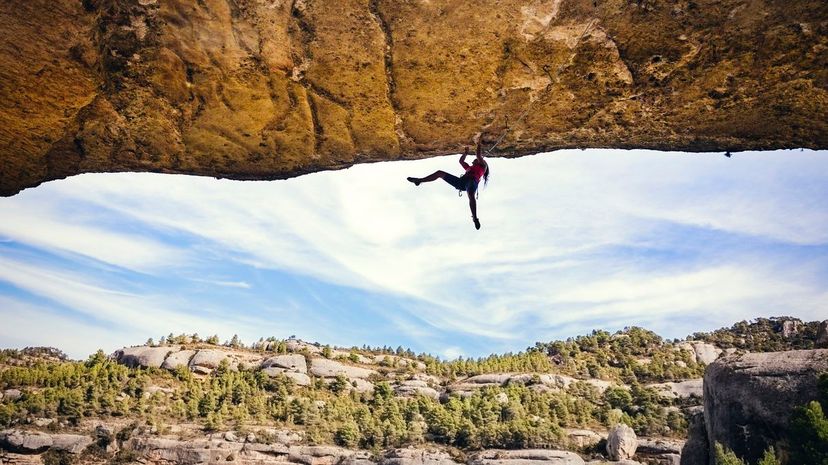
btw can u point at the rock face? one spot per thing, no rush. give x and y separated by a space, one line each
621 443
267 90
329 368
822 335
703 352
28 442
150 357
581 438
231 449
748 399
681 389
417 457
534 380
661 451
292 362
695 450
526 457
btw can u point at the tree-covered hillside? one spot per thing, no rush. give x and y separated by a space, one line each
41 384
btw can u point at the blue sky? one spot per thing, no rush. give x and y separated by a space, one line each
571 241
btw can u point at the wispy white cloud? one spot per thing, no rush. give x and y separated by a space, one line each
40 222
568 238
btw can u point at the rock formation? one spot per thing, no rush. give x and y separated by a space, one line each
822 335
748 399
695 450
621 443
270 89
230 449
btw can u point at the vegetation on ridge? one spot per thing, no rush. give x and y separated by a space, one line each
509 416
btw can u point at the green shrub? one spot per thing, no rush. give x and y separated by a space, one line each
809 429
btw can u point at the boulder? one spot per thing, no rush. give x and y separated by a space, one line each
790 328
11 394
325 368
208 358
73 443
26 442
546 382
525 457
411 456
299 378
178 359
660 451
297 345
695 450
414 387
290 362
582 438
401 362
681 389
749 398
822 335
702 352
280 436
144 356
360 385
614 462
621 442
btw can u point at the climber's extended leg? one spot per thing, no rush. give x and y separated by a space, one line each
473 208
431 177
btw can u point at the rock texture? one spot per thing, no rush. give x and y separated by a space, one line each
822 335
695 450
31 442
680 389
748 399
526 457
255 89
231 449
621 443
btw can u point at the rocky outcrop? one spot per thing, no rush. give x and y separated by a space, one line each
702 352
695 450
205 360
143 356
613 462
581 438
233 449
681 389
533 380
748 399
291 362
415 387
269 90
417 457
525 457
11 394
32 442
660 451
325 368
822 335
178 359
621 442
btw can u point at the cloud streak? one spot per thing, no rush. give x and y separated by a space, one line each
570 240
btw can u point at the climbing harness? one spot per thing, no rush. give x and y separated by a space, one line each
552 80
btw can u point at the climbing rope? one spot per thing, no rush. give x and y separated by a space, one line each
552 80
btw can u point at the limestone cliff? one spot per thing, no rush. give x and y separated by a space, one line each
749 398
267 89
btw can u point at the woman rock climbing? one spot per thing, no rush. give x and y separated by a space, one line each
467 182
